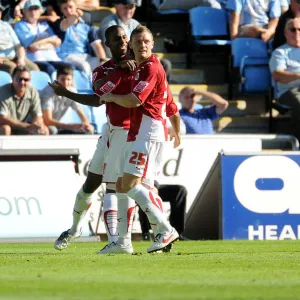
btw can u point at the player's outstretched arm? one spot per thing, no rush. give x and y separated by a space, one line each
175 132
85 99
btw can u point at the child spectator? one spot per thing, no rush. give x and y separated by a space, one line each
200 121
78 37
54 107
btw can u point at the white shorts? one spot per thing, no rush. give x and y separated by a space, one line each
143 159
113 154
97 163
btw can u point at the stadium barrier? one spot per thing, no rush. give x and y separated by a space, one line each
54 183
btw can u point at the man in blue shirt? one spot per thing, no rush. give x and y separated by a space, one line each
200 121
285 68
254 18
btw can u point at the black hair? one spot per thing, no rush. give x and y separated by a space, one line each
110 30
64 70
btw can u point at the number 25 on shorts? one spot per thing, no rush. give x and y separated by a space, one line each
137 158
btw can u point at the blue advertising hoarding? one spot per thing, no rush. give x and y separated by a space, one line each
260 196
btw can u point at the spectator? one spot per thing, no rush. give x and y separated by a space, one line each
125 10
78 37
284 5
285 68
291 13
186 4
200 121
18 102
176 195
54 107
255 19
38 38
51 12
11 52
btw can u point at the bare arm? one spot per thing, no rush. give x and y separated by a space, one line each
129 100
268 34
88 5
283 76
86 99
47 43
234 24
20 50
6 120
175 132
220 103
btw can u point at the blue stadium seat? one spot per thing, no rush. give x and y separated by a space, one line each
82 83
241 47
71 115
39 79
5 78
204 27
256 76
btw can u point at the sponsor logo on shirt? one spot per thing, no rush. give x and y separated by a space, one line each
107 87
140 86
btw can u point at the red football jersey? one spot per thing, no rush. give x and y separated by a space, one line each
118 82
149 85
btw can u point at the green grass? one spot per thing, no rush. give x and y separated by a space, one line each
193 270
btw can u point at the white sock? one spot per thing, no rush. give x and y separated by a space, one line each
110 211
146 199
126 210
82 204
159 204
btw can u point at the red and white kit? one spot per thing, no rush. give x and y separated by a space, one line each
148 132
118 82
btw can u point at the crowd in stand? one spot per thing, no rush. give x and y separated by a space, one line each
57 35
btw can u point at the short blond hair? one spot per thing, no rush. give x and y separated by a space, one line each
140 29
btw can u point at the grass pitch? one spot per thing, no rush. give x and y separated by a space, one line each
193 270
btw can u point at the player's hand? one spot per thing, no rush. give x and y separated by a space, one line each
176 138
107 97
58 88
128 64
88 128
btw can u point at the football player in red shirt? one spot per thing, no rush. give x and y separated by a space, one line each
147 135
105 164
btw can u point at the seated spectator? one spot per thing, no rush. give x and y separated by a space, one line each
77 39
11 51
176 195
255 19
18 102
86 7
285 68
291 13
200 121
54 107
38 38
51 12
125 10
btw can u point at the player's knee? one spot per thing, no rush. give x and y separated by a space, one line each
5 130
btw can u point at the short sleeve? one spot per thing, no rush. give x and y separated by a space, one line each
4 110
235 5
210 112
275 9
47 95
35 109
277 61
147 79
13 35
110 82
